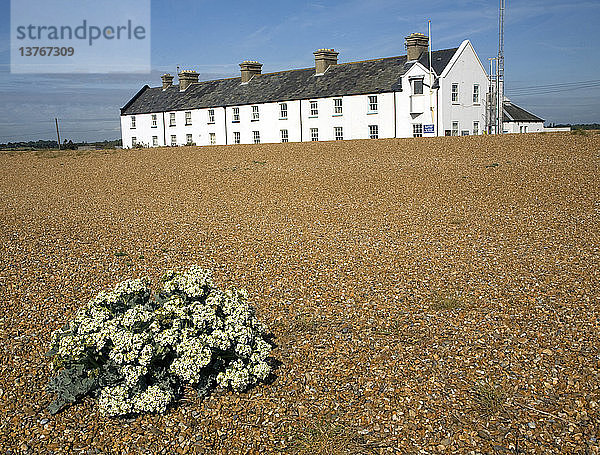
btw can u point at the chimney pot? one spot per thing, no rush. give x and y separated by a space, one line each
324 58
167 81
187 78
416 44
249 68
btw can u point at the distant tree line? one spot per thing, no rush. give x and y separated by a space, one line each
577 126
66 145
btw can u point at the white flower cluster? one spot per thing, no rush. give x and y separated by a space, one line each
118 400
190 332
194 283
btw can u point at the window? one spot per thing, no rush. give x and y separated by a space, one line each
475 128
337 106
236 137
172 119
283 107
188 138
254 112
455 93
417 85
284 135
454 128
211 116
476 94
464 133
173 140
417 130
525 129
213 138
373 131
133 141
154 141
373 103
314 134
133 121
188 118
338 133
154 121
314 109
236 114
256 136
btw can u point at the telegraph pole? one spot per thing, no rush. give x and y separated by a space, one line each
492 103
57 132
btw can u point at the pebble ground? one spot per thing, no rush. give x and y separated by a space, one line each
426 295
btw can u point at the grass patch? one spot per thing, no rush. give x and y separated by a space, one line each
393 327
492 165
327 438
120 254
446 303
49 153
259 162
579 132
304 323
488 398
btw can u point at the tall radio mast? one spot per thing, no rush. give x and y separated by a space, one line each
500 71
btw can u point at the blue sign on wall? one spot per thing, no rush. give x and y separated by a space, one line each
428 128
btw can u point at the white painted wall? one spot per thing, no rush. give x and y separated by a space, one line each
557 129
354 120
413 108
523 127
466 70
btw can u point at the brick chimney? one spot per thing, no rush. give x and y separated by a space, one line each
167 81
324 58
249 69
187 78
416 44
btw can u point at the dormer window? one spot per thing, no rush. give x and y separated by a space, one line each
417 86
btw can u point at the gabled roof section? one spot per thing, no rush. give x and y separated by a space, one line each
514 113
439 59
356 78
135 97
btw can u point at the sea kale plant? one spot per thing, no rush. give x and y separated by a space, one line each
134 350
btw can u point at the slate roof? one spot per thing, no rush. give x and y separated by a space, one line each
514 113
357 78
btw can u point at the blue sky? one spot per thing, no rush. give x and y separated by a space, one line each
548 45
